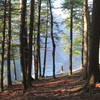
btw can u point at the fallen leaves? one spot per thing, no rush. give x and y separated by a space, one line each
61 88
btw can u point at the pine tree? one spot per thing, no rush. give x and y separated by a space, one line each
23 43
85 38
38 38
94 38
31 41
71 5
46 39
52 37
3 43
9 44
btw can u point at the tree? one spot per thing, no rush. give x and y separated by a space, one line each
94 38
9 44
71 37
71 5
85 38
3 43
23 43
46 39
37 51
52 37
38 38
31 40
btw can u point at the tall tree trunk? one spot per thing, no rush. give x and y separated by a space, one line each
9 45
52 37
3 43
71 40
23 43
35 58
85 40
46 38
82 49
38 39
31 41
94 37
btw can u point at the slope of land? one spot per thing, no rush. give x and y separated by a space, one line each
62 88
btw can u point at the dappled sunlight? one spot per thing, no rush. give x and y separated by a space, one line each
50 83
60 87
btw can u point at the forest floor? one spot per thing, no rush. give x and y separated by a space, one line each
62 88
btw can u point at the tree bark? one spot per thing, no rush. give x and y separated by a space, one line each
9 45
52 37
31 41
85 40
23 43
46 39
94 37
38 40
3 43
71 40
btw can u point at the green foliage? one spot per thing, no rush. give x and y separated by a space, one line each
76 43
77 26
75 3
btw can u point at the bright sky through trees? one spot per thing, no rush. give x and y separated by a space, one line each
59 11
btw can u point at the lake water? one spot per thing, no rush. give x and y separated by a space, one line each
62 59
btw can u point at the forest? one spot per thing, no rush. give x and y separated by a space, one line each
49 50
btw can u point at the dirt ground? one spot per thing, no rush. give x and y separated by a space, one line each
62 88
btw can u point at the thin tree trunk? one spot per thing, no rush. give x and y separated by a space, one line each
71 40
52 37
82 40
82 50
46 38
3 43
9 44
38 39
31 41
35 58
